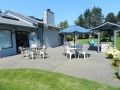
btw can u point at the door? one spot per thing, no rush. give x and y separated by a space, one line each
22 39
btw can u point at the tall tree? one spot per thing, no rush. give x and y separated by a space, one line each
97 17
90 18
87 17
118 17
111 18
63 24
81 21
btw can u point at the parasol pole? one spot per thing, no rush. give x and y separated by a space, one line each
74 39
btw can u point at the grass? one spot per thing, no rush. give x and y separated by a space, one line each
31 79
85 41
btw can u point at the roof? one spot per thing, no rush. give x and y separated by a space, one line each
30 19
13 21
24 17
51 26
106 26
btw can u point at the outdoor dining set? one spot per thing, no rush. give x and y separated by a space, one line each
33 52
74 49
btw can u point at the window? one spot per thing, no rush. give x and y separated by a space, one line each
5 39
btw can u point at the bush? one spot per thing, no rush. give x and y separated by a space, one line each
112 53
69 38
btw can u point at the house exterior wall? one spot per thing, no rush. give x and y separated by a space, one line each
12 50
51 38
9 51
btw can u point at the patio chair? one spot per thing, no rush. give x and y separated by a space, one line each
43 51
93 42
83 53
65 51
22 51
30 54
70 52
90 43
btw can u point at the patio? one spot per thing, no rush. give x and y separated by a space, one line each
96 67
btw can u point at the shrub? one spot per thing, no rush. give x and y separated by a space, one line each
112 53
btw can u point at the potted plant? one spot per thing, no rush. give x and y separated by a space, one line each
117 59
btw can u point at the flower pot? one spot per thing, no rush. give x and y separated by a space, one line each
117 62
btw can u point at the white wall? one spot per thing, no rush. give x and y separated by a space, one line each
51 38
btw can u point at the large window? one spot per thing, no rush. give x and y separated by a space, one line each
5 39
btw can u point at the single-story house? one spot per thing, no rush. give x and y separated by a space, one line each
19 30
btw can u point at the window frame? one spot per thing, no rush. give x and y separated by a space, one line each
10 37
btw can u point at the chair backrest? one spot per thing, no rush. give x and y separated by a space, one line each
44 48
90 43
64 47
94 43
21 48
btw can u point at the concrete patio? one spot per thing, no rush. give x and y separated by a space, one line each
96 67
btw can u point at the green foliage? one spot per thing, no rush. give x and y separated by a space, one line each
84 41
81 21
94 17
63 24
69 38
118 17
111 18
31 79
0 11
97 16
91 18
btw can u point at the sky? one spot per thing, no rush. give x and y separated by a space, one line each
63 9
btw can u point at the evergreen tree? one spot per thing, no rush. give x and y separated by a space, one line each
97 17
81 21
87 17
111 18
118 17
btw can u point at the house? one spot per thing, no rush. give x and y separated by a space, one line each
19 30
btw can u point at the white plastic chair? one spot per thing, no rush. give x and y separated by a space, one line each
43 51
84 53
22 51
70 52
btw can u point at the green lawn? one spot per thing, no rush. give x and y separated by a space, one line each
31 79
85 41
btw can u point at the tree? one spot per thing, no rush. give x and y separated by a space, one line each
81 21
0 11
90 18
111 18
63 24
118 17
87 17
97 17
